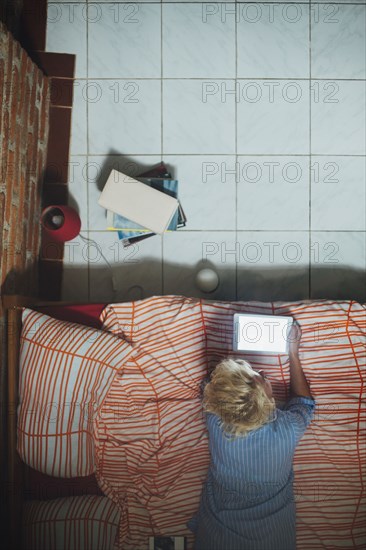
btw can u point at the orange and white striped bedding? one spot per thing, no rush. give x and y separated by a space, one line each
150 438
87 522
65 372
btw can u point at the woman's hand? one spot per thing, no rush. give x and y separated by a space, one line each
294 338
298 382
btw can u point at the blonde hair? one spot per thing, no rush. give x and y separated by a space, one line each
238 397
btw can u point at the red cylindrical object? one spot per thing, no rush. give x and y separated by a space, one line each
61 223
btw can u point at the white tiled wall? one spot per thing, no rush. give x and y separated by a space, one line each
259 111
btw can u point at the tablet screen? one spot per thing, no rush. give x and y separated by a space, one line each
266 333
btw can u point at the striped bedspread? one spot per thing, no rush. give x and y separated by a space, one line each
151 442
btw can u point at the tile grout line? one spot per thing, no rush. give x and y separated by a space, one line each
249 230
236 148
217 154
161 84
285 78
161 131
310 149
304 2
87 150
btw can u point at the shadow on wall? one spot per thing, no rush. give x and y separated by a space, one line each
116 161
135 281
20 282
266 284
10 14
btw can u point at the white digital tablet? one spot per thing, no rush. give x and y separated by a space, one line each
261 333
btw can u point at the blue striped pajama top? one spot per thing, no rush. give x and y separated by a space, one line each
247 501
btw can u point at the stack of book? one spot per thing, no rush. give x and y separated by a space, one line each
130 232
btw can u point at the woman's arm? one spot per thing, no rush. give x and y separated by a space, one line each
298 382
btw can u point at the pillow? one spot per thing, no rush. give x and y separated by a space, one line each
73 523
65 372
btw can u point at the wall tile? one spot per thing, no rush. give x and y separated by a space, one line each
66 32
207 190
338 125
78 189
338 193
75 276
273 117
185 253
273 193
204 43
338 47
124 116
338 264
125 41
198 117
134 272
79 135
273 265
273 40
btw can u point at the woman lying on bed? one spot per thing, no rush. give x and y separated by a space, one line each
248 498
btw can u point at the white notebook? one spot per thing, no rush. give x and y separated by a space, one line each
138 202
